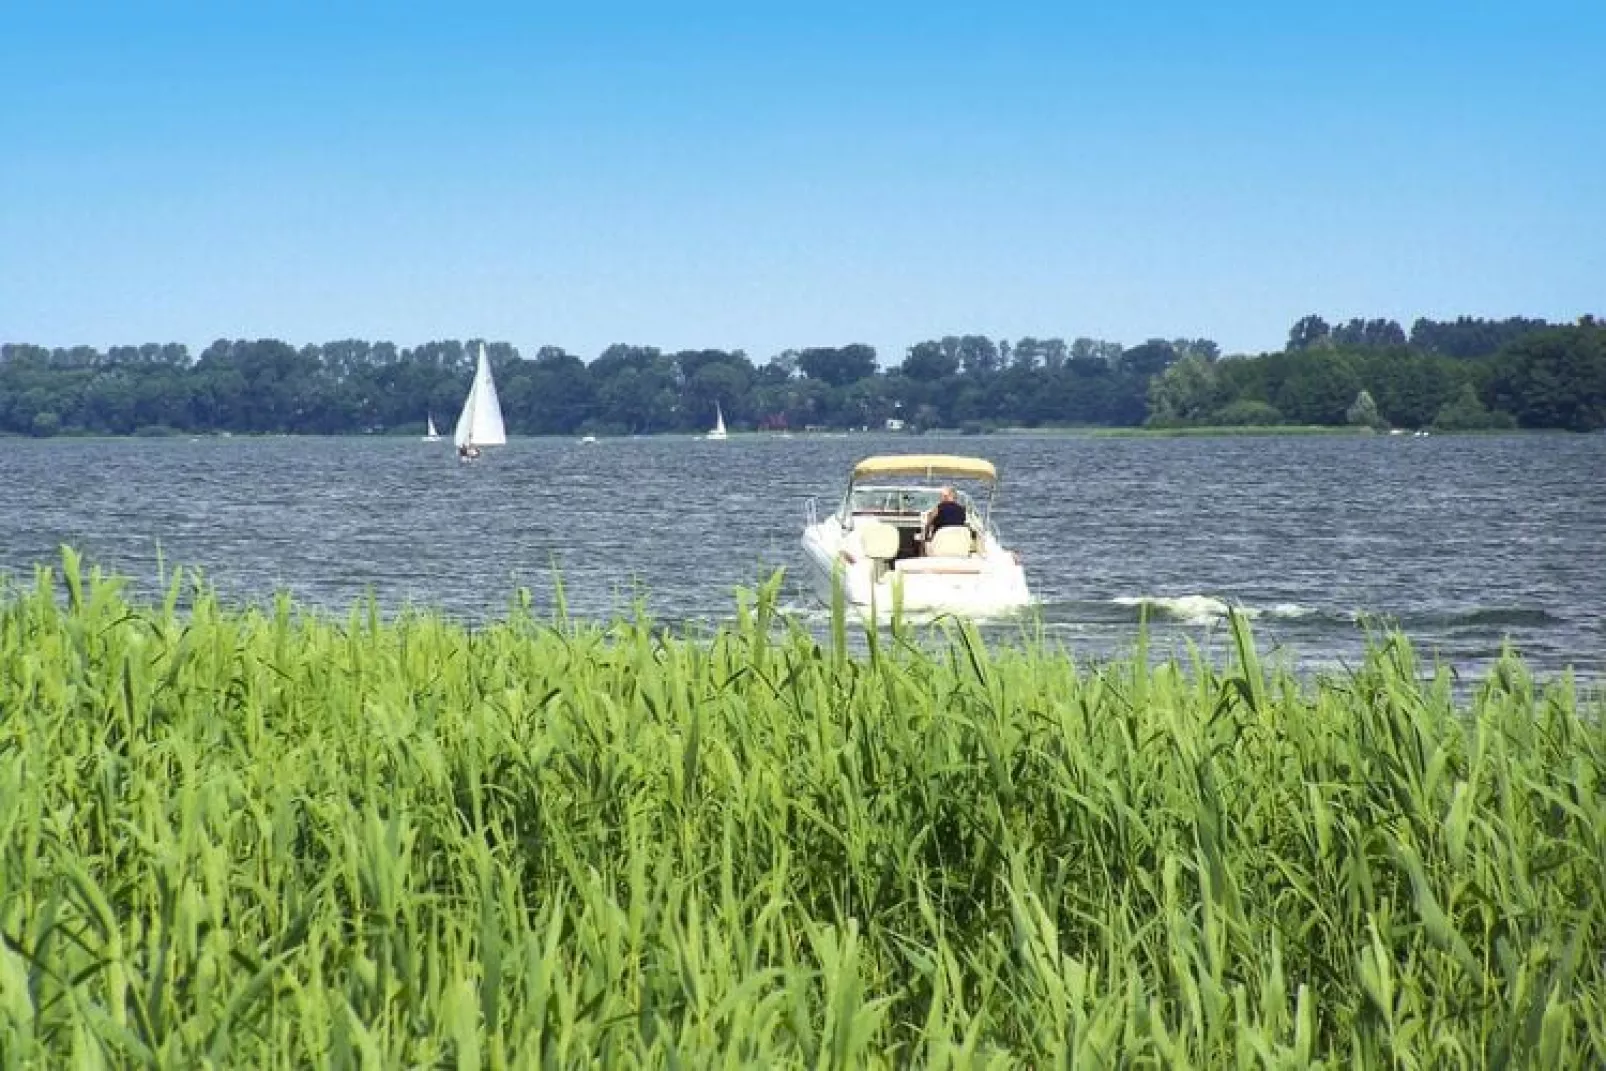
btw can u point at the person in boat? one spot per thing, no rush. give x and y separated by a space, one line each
467 451
948 511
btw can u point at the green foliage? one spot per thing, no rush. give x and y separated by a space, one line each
266 386
1555 379
1318 388
1309 332
1363 412
1368 334
1462 338
1471 337
1246 412
1185 393
928 362
1467 413
350 386
1546 378
263 837
837 366
1148 360
1411 388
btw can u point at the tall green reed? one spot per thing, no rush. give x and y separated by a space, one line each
270 837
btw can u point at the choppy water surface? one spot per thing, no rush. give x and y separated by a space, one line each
1463 542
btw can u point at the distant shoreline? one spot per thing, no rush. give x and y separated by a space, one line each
1191 432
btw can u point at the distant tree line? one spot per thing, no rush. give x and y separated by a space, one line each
269 386
1460 375
1465 373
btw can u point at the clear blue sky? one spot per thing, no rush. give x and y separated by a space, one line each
748 175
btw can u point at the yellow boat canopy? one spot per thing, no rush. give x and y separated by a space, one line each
930 465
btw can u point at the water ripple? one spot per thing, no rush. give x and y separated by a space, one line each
1465 543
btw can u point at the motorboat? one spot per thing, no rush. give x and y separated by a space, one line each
880 549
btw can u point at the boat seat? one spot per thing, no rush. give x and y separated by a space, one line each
879 539
955 541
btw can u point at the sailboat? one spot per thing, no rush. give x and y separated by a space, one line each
433 436
480 422
719 423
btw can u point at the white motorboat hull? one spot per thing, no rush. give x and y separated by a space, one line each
991 583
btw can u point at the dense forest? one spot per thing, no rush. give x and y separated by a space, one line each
1463 374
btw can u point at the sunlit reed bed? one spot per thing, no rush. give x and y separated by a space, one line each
270 838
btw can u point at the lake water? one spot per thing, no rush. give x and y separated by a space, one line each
1464 542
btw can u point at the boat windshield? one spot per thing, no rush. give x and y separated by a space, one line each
893 500
903 501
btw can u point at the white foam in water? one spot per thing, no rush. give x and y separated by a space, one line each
1189 609
1206 610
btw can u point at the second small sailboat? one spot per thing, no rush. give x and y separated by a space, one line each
719 423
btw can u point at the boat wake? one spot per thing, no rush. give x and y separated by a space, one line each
1210 610
1206 609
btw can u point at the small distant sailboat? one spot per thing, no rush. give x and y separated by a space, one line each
433 436
719 423
480 422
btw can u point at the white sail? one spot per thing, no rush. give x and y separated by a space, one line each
433 436
719 423
480 422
